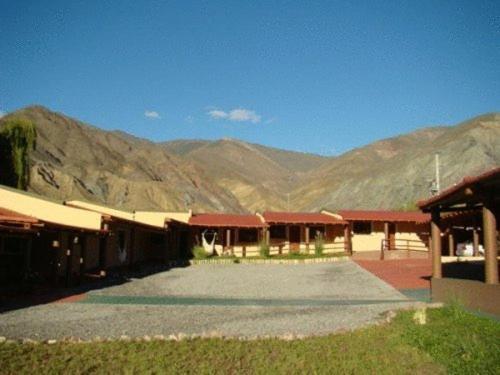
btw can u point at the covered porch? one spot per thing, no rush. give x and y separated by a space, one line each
477 198
228 234
302 232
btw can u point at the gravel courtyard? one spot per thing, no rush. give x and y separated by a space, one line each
231 300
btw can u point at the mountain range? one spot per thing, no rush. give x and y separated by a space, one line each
74 160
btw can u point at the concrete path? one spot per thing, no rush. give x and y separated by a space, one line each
231 300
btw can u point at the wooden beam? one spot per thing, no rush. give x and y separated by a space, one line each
490 245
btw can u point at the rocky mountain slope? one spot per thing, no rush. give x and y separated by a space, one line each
75 160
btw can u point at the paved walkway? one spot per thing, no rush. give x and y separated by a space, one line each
232 300
410 276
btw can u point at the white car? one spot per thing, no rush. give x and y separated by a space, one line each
466 249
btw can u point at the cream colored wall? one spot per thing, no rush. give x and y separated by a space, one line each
373 241
48 211
101 209
369 242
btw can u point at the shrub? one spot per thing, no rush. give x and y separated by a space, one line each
17 140
200 253
264 250
319 244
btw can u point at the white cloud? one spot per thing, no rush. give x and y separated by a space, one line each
152 114
237 114
217 114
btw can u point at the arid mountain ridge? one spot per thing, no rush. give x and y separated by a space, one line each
74 160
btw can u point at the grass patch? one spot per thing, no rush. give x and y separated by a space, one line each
453 341
200 253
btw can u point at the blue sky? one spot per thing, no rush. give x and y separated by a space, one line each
317 76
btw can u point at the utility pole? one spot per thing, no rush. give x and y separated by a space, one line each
436 184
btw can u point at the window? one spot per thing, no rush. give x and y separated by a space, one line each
248 236
362 227
278 231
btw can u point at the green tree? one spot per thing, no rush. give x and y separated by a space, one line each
17 140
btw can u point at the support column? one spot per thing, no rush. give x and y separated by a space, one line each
267 236
386 236
475 241
437 271
307 229
490 245
347 239
132 255
103 255
69 258
83 255
451 243
236 236
228 238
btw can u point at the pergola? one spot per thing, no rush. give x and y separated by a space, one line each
478 193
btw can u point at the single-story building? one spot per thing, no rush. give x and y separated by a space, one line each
66 240
298 231
16 237
472 194
131 240
236 234
377 230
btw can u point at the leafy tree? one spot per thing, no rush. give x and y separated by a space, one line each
17 140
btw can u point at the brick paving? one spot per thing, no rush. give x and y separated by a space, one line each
401 273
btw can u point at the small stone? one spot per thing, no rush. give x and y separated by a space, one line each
420 316
147 338
172 337
2 339
159 337
51 341
182 336
124 338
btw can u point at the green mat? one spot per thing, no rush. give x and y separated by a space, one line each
211 301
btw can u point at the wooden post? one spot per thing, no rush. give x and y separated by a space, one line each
103 255
267 236
132 256
27 257
475 241
69 259
228 238
83 255
437 271
451 243
244 251
490 245
236 236
307 237
347 239
386 236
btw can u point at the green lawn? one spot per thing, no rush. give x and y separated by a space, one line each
453 341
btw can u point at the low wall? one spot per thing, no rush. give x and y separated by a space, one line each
472 294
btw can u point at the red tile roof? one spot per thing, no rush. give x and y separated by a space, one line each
8 216
300 218
466 181
391 216
226 220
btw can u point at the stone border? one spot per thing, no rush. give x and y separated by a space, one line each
386 317
194 262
